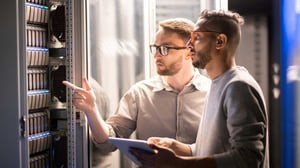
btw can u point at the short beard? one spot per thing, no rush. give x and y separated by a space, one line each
163 73
197 64
203 59
170 70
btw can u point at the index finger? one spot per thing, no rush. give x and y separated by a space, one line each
69 85
86 84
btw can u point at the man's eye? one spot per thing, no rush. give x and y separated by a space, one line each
197 37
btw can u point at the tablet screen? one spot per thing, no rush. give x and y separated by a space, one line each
124 144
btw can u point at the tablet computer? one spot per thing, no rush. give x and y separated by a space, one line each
124 144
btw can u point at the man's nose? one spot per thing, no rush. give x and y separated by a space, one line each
189 44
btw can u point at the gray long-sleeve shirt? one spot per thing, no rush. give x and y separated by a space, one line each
234 126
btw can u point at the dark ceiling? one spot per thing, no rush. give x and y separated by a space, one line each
250 6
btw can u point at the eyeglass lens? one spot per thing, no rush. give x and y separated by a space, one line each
163 50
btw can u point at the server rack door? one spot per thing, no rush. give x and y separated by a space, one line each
12 70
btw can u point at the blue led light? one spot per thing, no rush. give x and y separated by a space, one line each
39 135
37 5
31 92
37 49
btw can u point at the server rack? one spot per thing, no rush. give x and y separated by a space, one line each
42 46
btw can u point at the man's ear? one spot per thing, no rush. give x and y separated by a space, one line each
221 41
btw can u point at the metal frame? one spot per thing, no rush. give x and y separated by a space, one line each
76 62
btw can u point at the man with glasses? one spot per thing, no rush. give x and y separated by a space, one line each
167 105
233 132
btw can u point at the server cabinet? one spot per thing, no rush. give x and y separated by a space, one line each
43 45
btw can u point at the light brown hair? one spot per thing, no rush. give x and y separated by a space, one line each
181 26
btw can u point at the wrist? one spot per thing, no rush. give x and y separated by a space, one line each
92 109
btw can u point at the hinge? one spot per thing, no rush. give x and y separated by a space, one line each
23 126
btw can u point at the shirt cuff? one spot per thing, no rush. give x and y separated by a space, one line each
193 148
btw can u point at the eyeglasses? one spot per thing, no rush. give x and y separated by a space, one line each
164 49
195 35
